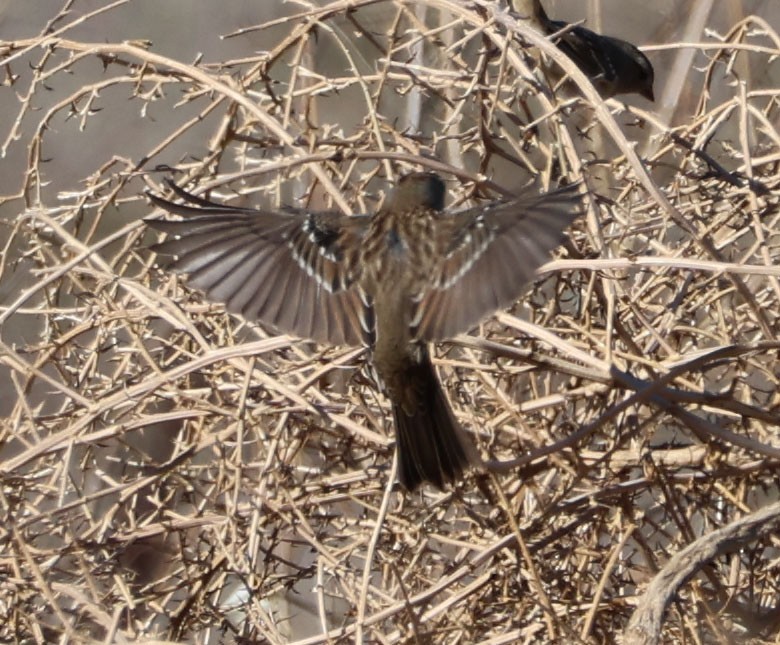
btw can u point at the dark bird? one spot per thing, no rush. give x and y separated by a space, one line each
409 275
614 66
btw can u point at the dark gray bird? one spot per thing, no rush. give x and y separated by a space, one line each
409 275
614 66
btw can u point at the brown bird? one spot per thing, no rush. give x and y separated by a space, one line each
614 66
409 275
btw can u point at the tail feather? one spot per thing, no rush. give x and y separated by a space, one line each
431 444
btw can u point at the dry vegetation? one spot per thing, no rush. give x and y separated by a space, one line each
171 472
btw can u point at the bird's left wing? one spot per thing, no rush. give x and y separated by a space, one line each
293 269
489 255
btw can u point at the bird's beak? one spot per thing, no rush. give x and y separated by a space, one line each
647 92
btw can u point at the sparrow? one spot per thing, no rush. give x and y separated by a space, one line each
397 280
614 66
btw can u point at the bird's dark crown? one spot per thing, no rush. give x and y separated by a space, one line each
645 74
418 190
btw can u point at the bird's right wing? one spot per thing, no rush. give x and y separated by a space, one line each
492 253
583 47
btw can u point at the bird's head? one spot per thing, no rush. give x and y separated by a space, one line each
418 190
646 76
634 71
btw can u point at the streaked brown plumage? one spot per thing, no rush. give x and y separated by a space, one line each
408 275
614 66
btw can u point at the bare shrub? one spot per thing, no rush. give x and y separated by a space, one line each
172 472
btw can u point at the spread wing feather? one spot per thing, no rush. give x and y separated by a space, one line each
292 269
490 254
